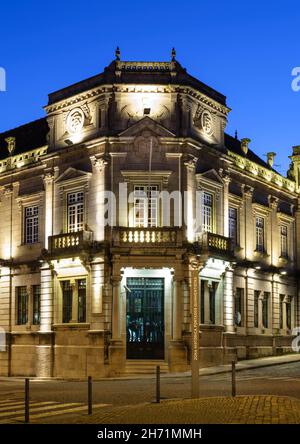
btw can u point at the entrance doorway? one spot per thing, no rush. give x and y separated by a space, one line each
145 318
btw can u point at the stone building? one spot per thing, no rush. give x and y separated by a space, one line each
106 205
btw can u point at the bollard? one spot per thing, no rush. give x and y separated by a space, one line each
158 384
90 395
233 379
26 401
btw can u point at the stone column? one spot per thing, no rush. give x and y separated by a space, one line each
226 179
117 350
177 355
273 238
44 349
48 183
189 198
247 233
228 308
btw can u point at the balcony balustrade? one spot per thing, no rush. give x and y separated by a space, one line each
215 245
65 243
147 237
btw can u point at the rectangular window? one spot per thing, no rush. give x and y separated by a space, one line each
265 310
281 302
202 302
238 307
81 289
31 224
207 212
145 206
75 211
67 294
283 241
212 302
260 234
22 305
256 305
232 222
289 313
36 302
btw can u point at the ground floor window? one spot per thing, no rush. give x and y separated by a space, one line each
208 305
265 310
22 305
73 300
239 307
36 304
256 305
289 313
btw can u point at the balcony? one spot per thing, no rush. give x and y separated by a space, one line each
147 237
70 243
215 245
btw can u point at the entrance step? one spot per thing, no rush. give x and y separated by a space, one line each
143 367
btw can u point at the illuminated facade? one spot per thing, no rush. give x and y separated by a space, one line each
108 202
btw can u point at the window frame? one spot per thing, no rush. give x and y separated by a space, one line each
24 310
78 226
260 248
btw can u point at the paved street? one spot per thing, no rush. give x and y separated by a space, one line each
51 397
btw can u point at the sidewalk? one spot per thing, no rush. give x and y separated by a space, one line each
214 370
220 410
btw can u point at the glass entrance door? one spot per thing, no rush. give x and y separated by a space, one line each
145 318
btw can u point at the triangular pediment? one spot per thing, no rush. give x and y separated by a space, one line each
72 174
147 124
212 175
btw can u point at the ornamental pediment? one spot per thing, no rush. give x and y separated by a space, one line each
72 174
147 125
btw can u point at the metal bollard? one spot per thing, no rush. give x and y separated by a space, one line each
158 384
27 401
90 395
233 379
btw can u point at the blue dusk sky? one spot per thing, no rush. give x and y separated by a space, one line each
245 50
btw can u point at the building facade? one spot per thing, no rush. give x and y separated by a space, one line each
108 204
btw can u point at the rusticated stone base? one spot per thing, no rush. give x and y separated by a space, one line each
177 356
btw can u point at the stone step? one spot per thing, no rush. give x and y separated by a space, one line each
135 367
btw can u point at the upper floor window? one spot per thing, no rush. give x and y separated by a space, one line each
260 234
145 205
283 241
207 212
232 225
75 211
31 224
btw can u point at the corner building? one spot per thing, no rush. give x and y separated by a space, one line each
95 265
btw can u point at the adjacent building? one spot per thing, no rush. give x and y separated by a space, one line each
107 205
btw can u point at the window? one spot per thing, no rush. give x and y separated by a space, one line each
289 313
212 302
75 211
31 225
256 305
74 300
232 223
202 302
22 305
260 234
81 289
238 307
265 310
283 241
145 206
281 302
67 301
207 212
36 304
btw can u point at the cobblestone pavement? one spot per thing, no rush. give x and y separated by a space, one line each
219 410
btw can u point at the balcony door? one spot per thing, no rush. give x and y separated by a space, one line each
145 318
145 206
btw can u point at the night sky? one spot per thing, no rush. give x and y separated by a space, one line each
245 50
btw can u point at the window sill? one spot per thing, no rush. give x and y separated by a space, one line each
71 325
